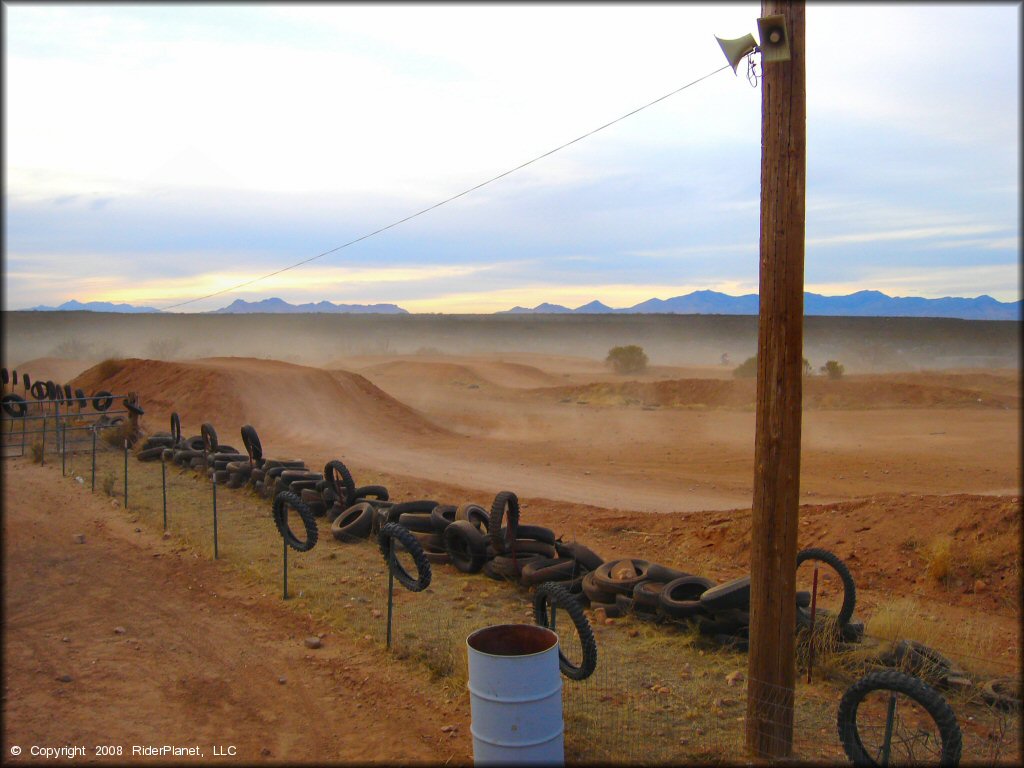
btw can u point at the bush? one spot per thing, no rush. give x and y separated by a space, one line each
107 483
747 369
109 368
628 359
833 369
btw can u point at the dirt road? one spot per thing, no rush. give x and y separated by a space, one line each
125 640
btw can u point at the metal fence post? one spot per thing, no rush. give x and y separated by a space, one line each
889 718
285 570
163 485
94 458
63 449
391 584
42 455
215 515
126 474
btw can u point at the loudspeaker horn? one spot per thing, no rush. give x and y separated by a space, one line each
735 50
774 39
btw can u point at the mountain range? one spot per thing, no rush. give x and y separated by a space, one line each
279 306
859 304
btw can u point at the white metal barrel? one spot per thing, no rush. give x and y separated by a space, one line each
515 695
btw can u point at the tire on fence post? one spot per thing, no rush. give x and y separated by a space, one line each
282 502
101 400
209 437
15 405
399 535
928 698
849 588
558 596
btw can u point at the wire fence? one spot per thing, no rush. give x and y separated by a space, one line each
661 692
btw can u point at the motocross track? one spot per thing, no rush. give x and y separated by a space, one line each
658 466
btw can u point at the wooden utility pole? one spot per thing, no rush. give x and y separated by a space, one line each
772 665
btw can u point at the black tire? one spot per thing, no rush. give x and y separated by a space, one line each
69 396
475 514
5 376
507 568
209 437
353 524
442 516
545 569
646 593
594 593
175 427
37 390
550 597
527 547
221 476
15 406
657 572
26 382
280 511
51 391
852 732
1002 693
252 444
395 511
919 660
80 399
623 586
378 492
585 556
417 521
729 594
849 589
150 454
429 540
466 546
236 480
133 407
681 598
341 482
101 401
536 533
504 501
394 532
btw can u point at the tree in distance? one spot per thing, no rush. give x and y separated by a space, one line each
833 369
628 359
748 368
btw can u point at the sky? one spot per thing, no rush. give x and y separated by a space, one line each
156 153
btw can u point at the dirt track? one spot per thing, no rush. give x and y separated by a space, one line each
658 469
199 661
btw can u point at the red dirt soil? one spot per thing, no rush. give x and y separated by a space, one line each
890 464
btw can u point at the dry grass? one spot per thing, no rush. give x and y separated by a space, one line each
659 694
37 451
107 483
939 555
109 368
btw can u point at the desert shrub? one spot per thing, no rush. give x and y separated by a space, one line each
940 559
109 368
628 359
71 349
747 369
833 369
37 452
164 349
107 483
